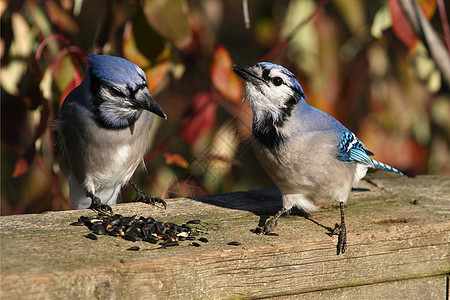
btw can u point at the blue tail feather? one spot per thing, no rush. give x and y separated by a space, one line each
381 166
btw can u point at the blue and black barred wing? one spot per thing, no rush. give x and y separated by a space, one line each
351 150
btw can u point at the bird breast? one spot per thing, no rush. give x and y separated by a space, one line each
306 164
121 153
102 157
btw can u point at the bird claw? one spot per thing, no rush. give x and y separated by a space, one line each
99 207
341 231
142 197
268 227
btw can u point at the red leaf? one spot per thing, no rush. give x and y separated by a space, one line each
55 67
223 77
157 75
176 159
200 117
400 23
73 84
428 7
401 26
20 168
48 39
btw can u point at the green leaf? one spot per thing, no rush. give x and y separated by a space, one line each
170 19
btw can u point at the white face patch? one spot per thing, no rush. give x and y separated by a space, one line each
116 116
270 96
260 105
115 110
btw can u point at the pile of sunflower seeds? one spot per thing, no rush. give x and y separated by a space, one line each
139 229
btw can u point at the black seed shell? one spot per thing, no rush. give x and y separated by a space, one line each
91 236
234 243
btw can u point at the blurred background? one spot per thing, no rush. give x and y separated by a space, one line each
358 60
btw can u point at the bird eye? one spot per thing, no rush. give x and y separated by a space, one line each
277 81
115 92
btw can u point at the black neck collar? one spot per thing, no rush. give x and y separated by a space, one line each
267 131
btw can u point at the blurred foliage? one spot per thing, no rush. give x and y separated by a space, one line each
358 60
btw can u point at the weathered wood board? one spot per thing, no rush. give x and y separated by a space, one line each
398 247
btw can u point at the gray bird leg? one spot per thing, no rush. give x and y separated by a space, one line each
341 231
98 206
271 224
143 197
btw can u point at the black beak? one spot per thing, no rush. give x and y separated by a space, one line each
247 73
144 100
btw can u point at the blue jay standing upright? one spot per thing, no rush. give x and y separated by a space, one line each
307 153
104 125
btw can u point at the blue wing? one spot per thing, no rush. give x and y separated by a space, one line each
351 150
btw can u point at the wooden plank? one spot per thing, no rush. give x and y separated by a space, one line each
435 287
391 241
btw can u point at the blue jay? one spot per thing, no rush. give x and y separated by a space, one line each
104 126
307 153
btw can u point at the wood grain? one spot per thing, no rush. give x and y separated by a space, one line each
396 249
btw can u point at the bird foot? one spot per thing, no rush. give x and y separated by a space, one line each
142 197
341 231
268 227
100 208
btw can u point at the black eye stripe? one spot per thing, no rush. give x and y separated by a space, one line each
115 91
265 74
277 80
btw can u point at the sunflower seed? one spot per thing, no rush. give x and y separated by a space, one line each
91 236
234 243
193 222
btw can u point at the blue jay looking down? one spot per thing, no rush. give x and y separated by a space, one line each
308 154
104 125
